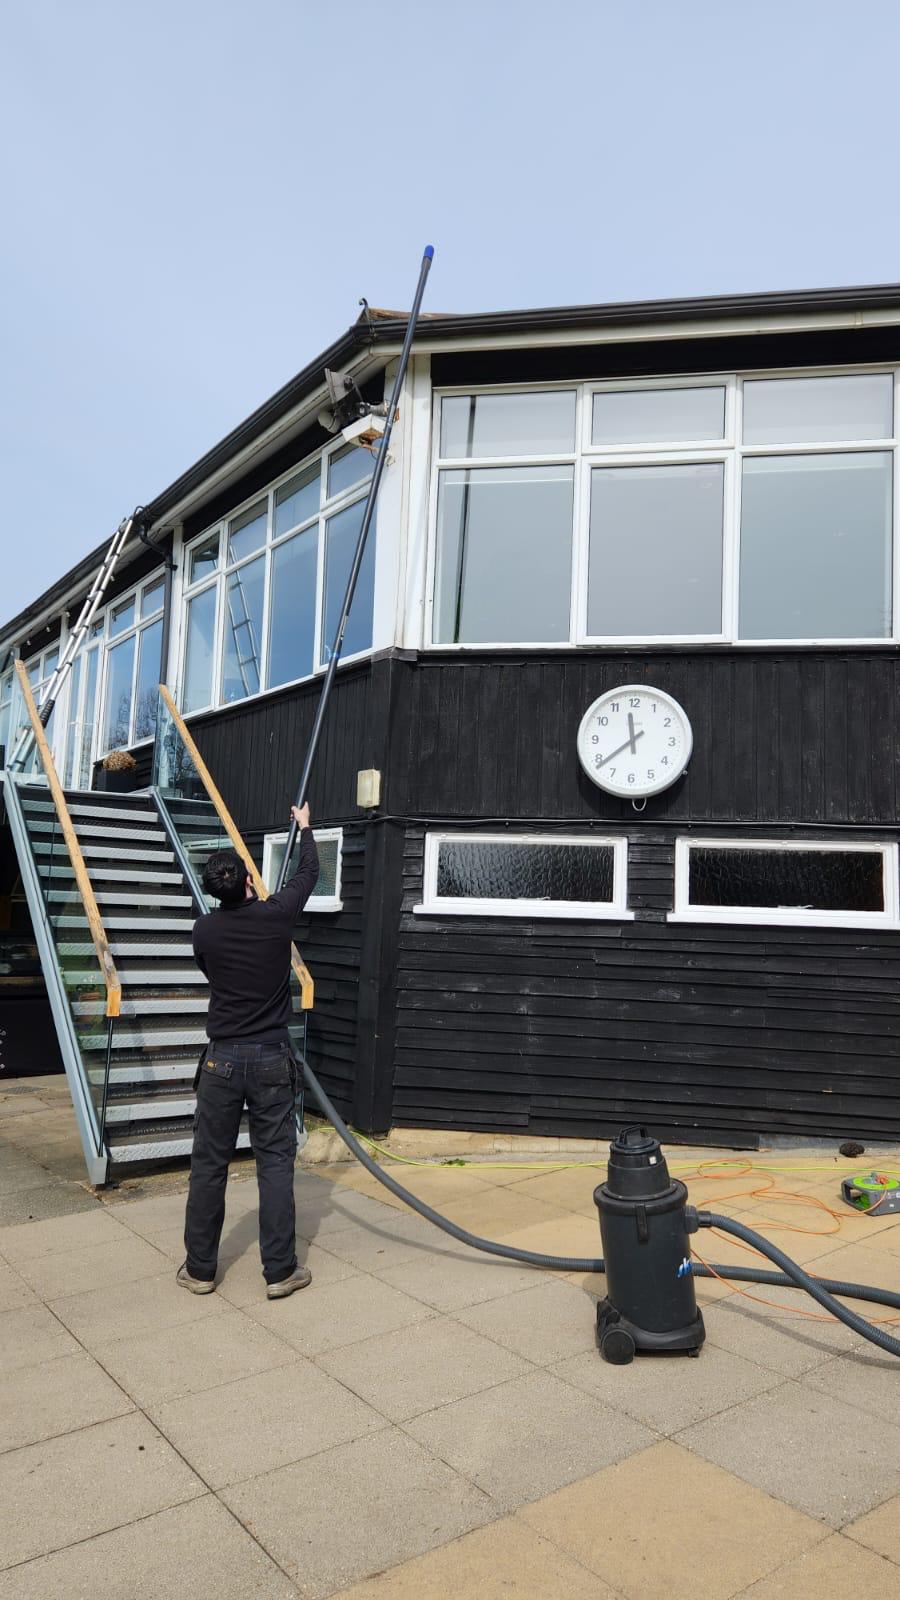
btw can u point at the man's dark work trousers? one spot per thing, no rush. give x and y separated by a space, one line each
236 1072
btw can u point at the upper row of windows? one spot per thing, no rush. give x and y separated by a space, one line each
703 510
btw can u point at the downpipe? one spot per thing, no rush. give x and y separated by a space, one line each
645 1223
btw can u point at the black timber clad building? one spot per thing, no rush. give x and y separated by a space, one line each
696 498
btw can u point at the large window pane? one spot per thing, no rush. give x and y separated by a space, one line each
348 467
247 532
293 608
341 533
148 680
508 424
204 559
297 500
817 410
658 416
789 880
816 547
655 551
504 557
119 670
243 631
198 662
480 870
121 617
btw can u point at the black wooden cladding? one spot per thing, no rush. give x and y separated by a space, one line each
713 1034
782 737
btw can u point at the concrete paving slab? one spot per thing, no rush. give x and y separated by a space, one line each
502 1211
523 1439
198 1549
808 1449
772 1334
868 1380
568 1234
357 1509
59 1236
568 1189
71 1488
879 1530
58 1396
327 1316
448 1281
834 1568
128 1310
192 1357
123 1260
44 1200
241 1282
388 1241
668 1392
437 1186
504 1561
18 1170
665 1523
31 1336
416 1369
15 1293
546 1323
328 1209
269 1420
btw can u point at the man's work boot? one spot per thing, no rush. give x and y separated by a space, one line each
196 1285
298 1279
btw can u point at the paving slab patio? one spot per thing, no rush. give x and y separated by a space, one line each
425 1420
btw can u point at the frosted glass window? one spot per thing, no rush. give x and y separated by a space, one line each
508 424
328 885
347 468
791 880
341 534
119 672
816 546
504 555
297 500
658 416
655 561
818 410
247 532
243 631
292 622
201 632
473 869
204 559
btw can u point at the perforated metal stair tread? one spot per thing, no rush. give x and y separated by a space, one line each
143 813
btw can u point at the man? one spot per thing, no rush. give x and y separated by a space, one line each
244 949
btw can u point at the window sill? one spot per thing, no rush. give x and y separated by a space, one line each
873 920
523 909
317 906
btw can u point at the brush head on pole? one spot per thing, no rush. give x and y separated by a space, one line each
428 252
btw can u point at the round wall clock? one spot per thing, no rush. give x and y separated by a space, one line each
634 741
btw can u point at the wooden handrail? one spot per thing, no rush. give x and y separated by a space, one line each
304 977
82 878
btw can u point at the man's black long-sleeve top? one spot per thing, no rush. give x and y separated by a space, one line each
245 952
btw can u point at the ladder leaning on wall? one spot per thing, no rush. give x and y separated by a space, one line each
23 746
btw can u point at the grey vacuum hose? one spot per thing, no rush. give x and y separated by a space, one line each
803 1280
793 1276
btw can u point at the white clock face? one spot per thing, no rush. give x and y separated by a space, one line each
634 741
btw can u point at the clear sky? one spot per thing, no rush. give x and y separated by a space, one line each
196 192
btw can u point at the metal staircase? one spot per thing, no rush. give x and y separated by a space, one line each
112 884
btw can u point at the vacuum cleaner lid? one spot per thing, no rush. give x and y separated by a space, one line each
637 1167
872 1191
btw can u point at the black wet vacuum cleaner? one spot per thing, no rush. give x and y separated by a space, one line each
650 1302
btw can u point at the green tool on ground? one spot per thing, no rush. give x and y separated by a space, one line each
872 1191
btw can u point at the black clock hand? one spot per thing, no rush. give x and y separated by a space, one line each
631 732
625 746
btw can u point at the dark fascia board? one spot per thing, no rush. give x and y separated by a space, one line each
387 330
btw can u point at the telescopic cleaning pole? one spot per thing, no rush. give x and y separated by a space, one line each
368 513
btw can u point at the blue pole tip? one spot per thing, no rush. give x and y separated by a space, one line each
428 252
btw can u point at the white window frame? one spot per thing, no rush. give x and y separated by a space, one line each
108 643
729 450
787 917
316 902
435 905
327 509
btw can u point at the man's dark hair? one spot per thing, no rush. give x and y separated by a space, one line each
225 877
